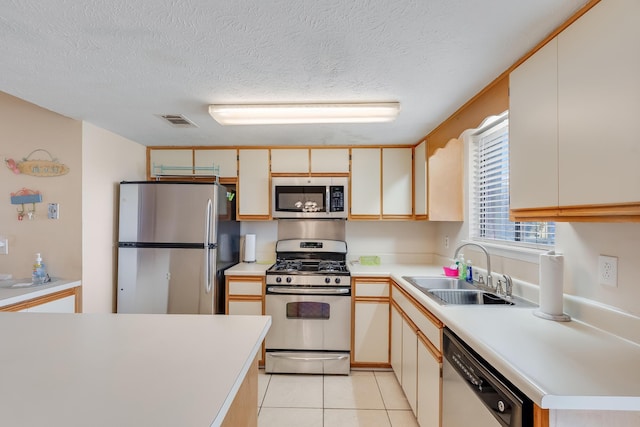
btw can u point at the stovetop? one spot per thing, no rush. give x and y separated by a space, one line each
310 263
300 266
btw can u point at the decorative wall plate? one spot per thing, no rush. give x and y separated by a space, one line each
38 167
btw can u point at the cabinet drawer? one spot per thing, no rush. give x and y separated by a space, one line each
371 289
249 308
432 331
245 287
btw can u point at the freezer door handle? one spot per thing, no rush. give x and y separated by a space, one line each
207 252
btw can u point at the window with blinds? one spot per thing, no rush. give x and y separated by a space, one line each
490 194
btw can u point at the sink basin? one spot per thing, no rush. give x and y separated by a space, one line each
426 282
468 296
452 291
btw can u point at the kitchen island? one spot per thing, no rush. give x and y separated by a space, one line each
129 370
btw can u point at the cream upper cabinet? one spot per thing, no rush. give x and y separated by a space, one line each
533 131
599 105
420 179
225 159
253 184
397 182
365 182
290 160
329 160
445 171
572 110
172 162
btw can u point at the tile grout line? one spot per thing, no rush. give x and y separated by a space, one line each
386 410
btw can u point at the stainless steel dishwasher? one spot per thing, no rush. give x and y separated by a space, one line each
475 394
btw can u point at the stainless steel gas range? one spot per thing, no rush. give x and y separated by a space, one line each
308 296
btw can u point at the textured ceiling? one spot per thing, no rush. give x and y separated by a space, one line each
120 63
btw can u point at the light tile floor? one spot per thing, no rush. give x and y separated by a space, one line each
364 398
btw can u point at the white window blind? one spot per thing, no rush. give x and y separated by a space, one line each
490 195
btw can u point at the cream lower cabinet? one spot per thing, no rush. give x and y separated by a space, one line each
416 358
396 342
245 296
429 404
410 362
66 301
370 301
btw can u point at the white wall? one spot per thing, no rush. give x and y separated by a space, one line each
393 241
107 159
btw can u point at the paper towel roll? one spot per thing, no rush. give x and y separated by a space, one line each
551 278
249 248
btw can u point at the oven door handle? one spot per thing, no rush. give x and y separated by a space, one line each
308 359
308 291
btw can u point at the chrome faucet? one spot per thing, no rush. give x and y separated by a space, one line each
489 278
508 285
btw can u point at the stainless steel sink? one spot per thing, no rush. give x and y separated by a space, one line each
468 296
452 291
426 282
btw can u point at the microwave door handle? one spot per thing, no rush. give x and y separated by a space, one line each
328 199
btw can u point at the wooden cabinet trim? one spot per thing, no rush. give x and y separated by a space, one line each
540 416
74 292
623 212
242 412
429 345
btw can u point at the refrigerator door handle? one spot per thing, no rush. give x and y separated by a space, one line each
207 252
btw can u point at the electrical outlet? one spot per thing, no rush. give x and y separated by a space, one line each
54 211
608 270
4 246
446 242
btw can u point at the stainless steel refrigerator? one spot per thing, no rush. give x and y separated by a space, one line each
175 241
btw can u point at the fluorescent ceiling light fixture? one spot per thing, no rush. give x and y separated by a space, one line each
271 114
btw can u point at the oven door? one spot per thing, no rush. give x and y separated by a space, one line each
305 321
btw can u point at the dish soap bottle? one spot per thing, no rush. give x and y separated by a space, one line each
39 272
469 277
462 268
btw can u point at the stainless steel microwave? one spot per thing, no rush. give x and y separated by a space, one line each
312 197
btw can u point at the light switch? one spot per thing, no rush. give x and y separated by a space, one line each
54 211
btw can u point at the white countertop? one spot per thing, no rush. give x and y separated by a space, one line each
123 370
559 365
247 269
11 295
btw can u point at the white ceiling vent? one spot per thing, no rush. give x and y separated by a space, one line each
178 121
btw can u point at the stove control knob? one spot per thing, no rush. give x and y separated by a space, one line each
288 279
278 279
327 280
337 280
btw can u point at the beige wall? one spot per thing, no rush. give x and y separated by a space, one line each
24 128
107 159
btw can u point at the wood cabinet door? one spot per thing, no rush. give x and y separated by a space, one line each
371 332
598 106
396 342
410 364
397 182
365 182
533 131
429 387
253 184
